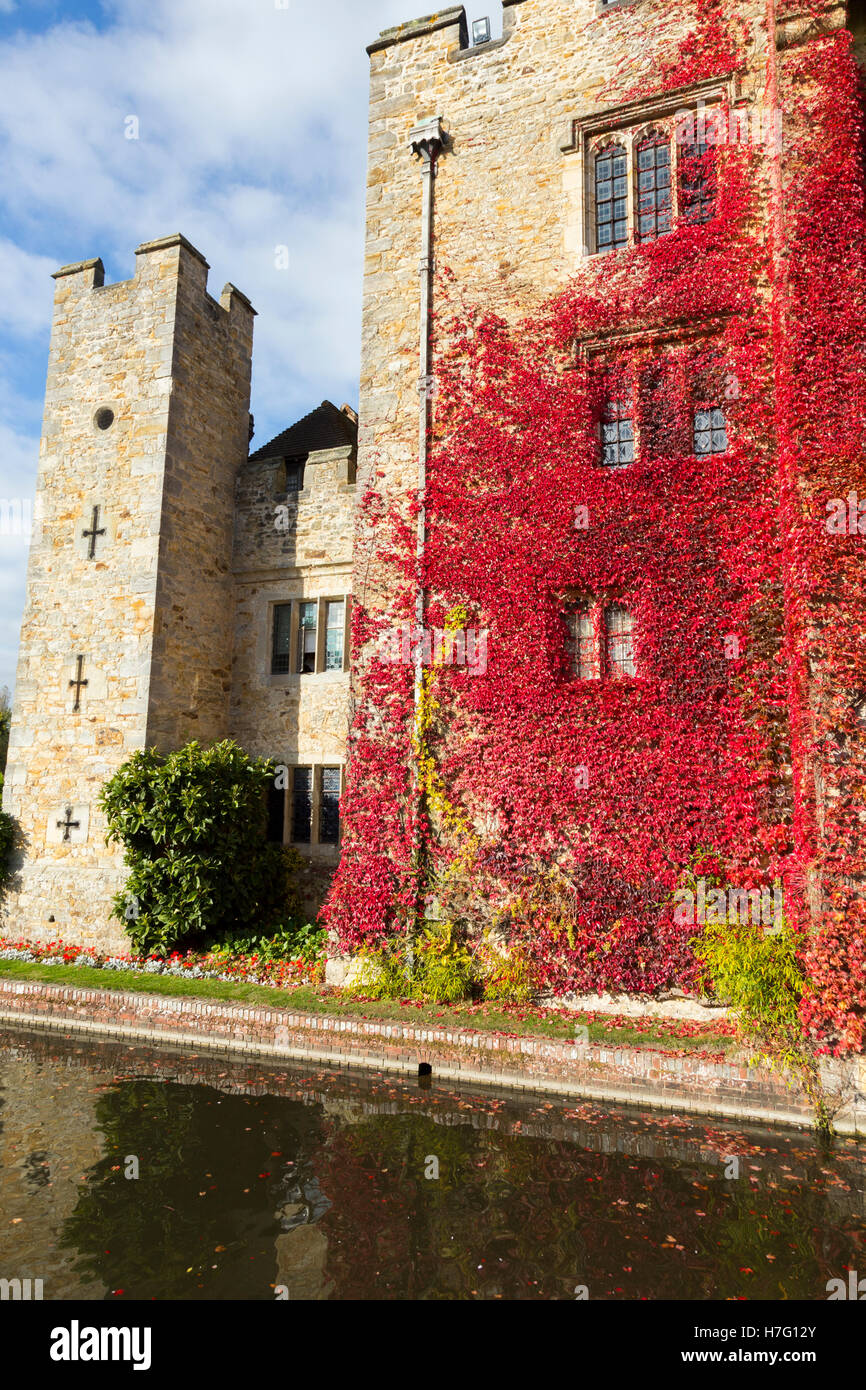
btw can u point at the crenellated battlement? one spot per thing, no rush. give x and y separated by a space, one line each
453 24
159 265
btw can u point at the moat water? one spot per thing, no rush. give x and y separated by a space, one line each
257 1181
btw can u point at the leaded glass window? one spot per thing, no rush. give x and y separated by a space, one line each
653 187
281 658
329 810
334 636
611 198
697 183
617 432
582 644
308 615
711 431
294 475
619 632
302 805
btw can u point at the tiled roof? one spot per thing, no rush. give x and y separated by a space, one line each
324 428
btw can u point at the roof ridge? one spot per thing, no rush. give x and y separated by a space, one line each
324 427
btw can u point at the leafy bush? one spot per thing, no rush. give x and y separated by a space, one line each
292 942
8 829
762 978
193 826
444 968
507 979
438 969
382 974
5 724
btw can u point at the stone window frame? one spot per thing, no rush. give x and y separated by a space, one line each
110 434
668 349
626 125
315 846
322 601
291 463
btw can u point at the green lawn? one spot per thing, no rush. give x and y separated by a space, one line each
314 999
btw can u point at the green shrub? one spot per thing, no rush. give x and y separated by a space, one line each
5 723
291 942
193 826
438 969
506 979
382 974
762 978
444 968
8 829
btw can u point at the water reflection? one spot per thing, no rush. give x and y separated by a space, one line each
253 1179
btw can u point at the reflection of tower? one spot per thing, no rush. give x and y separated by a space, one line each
45 1147
127 632
302 1248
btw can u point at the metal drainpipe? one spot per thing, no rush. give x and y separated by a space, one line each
804 803
806 792
427 140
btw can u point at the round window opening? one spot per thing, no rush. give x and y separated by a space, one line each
104 419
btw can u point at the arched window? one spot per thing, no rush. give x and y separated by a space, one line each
653 186
611 198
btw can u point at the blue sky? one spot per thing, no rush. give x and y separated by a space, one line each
252 134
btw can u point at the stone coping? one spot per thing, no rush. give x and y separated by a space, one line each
595 1071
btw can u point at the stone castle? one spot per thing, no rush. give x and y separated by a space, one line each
182 587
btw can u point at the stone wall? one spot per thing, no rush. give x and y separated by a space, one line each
512 182
207 442
291 548
507 195
681 1082
147 601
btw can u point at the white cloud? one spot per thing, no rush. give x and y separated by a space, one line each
252 134
18 456
26 291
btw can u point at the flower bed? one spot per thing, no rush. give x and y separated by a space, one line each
193 965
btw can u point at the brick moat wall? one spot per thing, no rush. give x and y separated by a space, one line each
640 1076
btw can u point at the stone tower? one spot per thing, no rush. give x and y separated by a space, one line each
128 626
